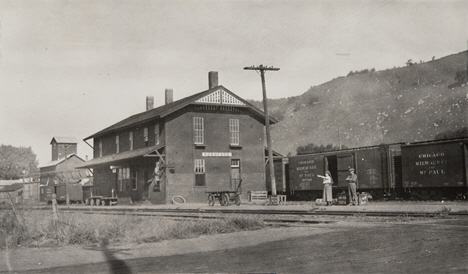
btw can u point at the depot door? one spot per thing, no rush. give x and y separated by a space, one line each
235 173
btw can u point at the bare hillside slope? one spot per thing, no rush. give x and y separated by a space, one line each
413 103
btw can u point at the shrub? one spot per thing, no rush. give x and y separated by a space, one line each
39 229
453 134
310 148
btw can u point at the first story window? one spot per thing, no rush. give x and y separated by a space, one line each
134 180
123 177
235 163
200 175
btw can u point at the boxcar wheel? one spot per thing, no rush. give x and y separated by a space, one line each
103 202
98 202
91 202
211 200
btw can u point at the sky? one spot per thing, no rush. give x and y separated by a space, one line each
73 68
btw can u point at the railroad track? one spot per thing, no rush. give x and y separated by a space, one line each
233 210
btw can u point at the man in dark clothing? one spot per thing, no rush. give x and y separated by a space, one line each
352 181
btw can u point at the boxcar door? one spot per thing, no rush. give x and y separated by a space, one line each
344 163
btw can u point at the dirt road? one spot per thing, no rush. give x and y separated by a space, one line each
433 246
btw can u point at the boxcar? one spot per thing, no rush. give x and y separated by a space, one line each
370 164
430 170
73 190
434 170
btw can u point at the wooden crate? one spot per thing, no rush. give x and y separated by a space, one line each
342 199
258 196
320 202
278 200
363 198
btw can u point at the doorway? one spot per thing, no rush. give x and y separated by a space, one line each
235 173
339 166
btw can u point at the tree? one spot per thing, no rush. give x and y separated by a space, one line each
310 148
16 161
453 134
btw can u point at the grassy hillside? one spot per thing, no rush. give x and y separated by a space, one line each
412 103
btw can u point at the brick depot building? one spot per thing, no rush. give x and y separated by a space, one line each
205 142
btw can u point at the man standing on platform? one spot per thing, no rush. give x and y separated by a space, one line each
352 181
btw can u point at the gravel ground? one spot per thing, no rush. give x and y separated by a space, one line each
44 258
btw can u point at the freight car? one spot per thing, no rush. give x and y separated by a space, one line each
431 170
435 170
71 192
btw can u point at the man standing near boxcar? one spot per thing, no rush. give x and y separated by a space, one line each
352 181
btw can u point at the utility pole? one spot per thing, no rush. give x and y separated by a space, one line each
262 70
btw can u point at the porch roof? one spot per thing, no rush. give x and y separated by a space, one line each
276 155
109 159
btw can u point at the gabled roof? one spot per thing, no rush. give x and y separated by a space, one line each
276 155
167 109
56 162
64 140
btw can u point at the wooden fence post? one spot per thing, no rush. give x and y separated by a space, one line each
54 206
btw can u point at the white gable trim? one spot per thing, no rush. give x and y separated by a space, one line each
220 97
214 97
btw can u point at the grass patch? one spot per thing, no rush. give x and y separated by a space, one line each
39 229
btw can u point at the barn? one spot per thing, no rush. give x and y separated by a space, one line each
205 142
60 176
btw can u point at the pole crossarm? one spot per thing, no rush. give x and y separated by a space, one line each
261 67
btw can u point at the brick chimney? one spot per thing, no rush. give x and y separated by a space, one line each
149 103
212 79
169 96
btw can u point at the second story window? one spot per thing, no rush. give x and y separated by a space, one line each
100 148
199 130
156 134
117 144
234 131
130 139
145 136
